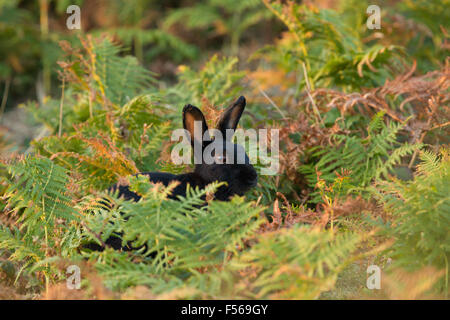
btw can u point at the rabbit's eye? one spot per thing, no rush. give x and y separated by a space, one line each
220 158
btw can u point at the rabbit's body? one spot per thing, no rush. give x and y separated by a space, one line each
231 165
165 178
195 179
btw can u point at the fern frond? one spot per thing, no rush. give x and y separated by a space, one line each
46 220
430 162
298 263
421 209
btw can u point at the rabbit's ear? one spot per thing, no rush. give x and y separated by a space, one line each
194 122
230 117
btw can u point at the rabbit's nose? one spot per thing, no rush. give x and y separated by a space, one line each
251 179
252 183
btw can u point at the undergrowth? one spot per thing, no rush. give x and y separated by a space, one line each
363 179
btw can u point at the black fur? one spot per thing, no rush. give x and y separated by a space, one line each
239 178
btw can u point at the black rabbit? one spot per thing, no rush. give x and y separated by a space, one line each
232 167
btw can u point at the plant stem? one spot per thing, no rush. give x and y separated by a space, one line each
5 97
61 109
43 8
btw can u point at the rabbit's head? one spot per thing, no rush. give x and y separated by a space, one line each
217 158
